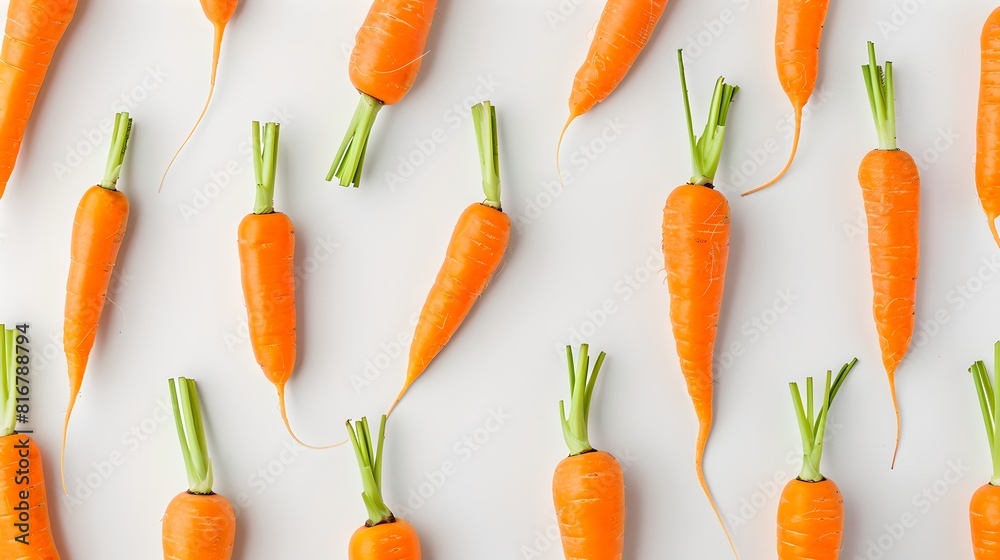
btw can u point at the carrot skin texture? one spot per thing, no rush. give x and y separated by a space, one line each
984 521
386 541
589 495
988 124
389 46
796 46
219 12
41 545
199 527
810 521
34 29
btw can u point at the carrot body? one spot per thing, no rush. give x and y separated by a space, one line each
984 520
21 472
810 521
396 540
589 495
389 46
34 29
199 527
988 124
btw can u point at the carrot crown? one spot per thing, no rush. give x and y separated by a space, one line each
370 462
191 432
989 396
350 157
119 142
484 117
265 164
881 96
812 426
8 380
706 151
581 391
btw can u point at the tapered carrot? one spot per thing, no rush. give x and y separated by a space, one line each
988 123
796 52
474 253
34 29
384 64
984 509
98 230
198 524
588 487
811 510
383 536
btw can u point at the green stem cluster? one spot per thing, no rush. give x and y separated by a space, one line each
812 424
581 382
265 165
370 461
191 433
116 156
989 397
350 158
706 151
484 117
881 97
8 380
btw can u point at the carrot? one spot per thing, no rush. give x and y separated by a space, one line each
384 64
383 536
890 183
198 524
34 29
474 253
588 487
988 127
984 508
695 254
218 12
811 510
98 230
796 52
25 531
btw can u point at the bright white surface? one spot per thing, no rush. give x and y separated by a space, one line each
179 306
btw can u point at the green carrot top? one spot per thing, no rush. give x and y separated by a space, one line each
706 151
191 432
484 117
116 156
350 158
581 383
812 425
370 461
989 396
881 96
9 360
265 165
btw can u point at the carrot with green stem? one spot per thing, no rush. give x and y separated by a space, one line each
988 123
696 253
98 230
811 511
198 524
984 508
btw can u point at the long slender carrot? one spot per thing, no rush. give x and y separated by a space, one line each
218 12
383 536
198 524
474 253
796 52
98 230
33 31
811 511
988 123
588 487
984 508
695 253
384 64
25 530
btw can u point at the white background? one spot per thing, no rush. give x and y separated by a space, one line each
179 309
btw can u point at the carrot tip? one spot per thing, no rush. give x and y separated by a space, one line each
703 430
562 135
399 397
791 157
993 229
895 408
288 425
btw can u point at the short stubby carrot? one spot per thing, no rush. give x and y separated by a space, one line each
474 254
984 508
98 230
988 123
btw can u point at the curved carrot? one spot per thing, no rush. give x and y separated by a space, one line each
384 64
198 524
695 253
984 509
98 230
34 29
218 12
474 253
988 123
796 52
588 487
383 536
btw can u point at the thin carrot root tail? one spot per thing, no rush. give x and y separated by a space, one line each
895 409
791 157
74 390
406 387
562 134
993 229
704 429
288 425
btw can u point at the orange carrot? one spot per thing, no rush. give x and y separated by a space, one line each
988 127
384 64
796 52
198 524
218 12
25 531
695 253
34 29
984 509
811 510
474 253
98 230
588 488
383 536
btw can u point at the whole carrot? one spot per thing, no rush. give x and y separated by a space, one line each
588 487
988 123
695 253
98 230
474 253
